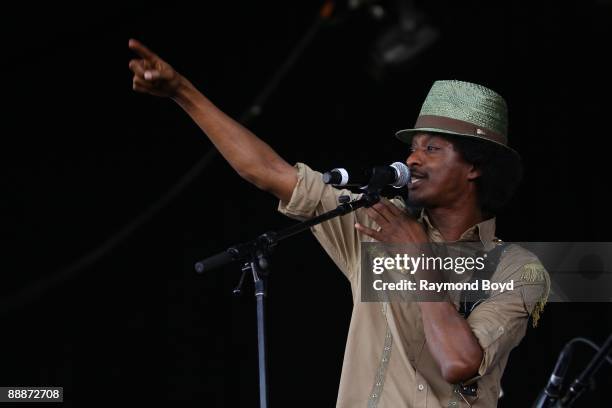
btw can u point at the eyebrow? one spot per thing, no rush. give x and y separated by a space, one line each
422 136
425 138
440 141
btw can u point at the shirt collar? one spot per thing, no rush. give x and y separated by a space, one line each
483 231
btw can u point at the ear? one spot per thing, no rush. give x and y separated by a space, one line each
473 173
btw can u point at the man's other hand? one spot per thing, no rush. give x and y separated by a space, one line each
396 227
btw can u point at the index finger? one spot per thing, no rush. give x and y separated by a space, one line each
386 210
140 49
391 207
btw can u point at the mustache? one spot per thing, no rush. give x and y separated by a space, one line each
417 173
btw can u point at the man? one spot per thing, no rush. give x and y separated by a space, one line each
416 354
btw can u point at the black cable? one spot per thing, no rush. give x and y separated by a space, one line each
589 342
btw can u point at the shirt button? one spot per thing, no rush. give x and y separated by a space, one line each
421 387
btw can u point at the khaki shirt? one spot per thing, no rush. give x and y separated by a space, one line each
387 362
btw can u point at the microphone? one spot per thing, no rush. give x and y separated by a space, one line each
396 175
551 394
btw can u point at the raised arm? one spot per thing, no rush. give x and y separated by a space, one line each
253 159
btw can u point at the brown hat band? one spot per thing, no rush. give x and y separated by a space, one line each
458 126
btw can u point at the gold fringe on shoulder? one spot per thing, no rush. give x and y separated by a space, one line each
535 272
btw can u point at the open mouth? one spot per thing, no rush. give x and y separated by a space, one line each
416 178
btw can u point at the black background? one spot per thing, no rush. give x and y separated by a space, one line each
84 156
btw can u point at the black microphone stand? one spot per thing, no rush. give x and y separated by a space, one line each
254 256
551 396
580 383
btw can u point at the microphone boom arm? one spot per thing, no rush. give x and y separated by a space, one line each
262 245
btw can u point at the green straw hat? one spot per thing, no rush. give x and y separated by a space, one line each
463 109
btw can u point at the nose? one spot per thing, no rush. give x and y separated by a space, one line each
414 158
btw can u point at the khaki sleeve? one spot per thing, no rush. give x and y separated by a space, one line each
500 322
338 236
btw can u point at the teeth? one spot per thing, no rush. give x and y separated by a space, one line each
414 179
